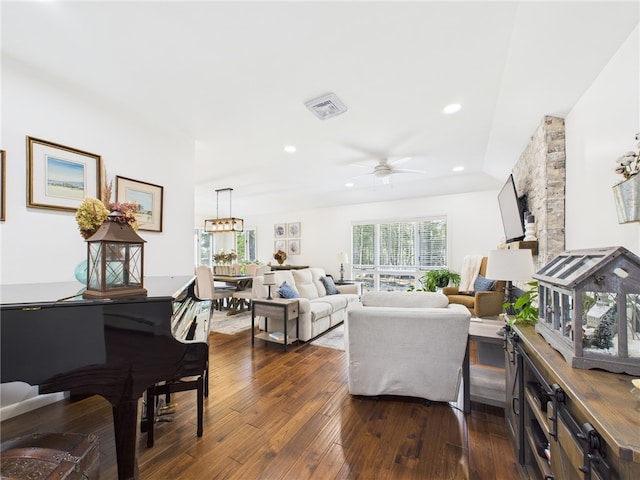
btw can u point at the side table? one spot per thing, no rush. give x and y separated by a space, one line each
276 309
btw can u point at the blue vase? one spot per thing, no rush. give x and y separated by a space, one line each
80 272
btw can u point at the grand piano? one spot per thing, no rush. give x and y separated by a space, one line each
51 337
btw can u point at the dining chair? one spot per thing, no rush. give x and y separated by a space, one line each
206 290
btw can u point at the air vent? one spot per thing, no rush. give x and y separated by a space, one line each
326 106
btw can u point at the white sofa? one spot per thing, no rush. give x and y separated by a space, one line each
406 343
318 311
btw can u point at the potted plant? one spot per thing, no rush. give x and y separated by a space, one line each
524 308
431 280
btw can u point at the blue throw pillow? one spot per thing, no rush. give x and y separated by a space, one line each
483 284
329 286
287 291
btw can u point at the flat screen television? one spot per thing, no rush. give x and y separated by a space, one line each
511 210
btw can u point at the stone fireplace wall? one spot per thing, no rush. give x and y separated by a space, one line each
540 174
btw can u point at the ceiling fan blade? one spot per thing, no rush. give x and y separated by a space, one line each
406 170
399 160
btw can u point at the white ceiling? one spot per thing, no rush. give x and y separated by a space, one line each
234 76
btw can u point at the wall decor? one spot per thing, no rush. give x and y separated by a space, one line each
149 200
293 247
280 230
3 183
59 177
293 230
280 245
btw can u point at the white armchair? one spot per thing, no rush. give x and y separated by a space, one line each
406 343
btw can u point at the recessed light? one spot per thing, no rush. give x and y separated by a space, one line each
349 184
290 148
452 108
458 168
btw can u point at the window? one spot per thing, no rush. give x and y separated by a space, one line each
393 255
208 243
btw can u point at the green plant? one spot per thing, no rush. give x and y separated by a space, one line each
431 280
525 308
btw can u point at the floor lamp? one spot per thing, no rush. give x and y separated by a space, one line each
510 266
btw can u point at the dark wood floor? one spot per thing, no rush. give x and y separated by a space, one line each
274 415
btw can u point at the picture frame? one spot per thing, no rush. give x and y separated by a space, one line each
293 247
149 198
293 230
60 177
280 230
279 245
3 186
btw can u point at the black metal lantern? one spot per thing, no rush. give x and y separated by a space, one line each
115 259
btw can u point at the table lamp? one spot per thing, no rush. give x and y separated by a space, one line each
510 265
342 258
269 280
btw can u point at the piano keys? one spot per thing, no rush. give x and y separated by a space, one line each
117 348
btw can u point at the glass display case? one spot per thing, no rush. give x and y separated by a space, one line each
589 308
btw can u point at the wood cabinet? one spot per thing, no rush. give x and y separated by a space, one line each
567 423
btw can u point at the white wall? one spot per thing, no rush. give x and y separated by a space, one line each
44 246
473 220
599 129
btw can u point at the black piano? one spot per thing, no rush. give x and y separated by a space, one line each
52 337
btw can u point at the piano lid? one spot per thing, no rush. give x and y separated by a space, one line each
27 293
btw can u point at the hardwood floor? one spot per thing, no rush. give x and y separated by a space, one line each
274 415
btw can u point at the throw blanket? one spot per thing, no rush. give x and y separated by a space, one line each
470 269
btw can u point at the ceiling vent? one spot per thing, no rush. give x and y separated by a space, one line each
327 106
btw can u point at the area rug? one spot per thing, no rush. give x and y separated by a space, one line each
230 325
332 339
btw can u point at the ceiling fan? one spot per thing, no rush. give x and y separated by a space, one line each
386 167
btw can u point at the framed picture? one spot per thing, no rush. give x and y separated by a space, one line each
293 230
279 245
149 200
60 177
280 230
293 247
3 186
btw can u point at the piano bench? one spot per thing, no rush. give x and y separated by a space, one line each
48 456
167 388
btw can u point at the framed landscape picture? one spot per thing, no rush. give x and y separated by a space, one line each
60 177
149 200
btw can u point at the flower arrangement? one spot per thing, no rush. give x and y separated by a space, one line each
628 164
92 213
225 258
280 256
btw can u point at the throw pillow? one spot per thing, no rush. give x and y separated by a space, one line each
483 284
329 286
288 291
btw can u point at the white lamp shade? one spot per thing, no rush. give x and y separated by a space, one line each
343 257
513 265
269 278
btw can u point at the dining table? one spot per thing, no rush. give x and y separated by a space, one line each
238 283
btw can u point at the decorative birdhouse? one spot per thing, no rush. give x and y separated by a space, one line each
115 260
589 308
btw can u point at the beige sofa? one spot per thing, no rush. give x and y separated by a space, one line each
318 311
406 343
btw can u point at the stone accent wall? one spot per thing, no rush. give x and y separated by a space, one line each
540 174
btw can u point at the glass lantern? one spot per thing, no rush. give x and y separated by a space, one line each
589 308
115 256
